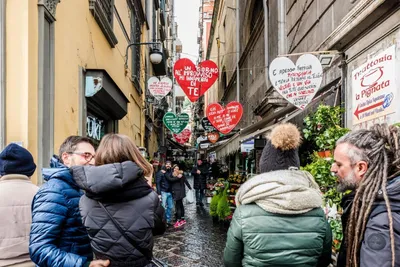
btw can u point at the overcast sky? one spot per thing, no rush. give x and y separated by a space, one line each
187 17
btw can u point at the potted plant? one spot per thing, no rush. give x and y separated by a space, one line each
326 141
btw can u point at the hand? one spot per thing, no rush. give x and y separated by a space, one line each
99 263
163 171
198 171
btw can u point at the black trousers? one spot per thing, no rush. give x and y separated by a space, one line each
180 210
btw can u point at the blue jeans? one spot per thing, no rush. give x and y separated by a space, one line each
168 204
199 196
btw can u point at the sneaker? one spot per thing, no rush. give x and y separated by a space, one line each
183 222
177 224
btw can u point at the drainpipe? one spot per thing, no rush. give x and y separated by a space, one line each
238 52
266 45
343 66
281 27
3 73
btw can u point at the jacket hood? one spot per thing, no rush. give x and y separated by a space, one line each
282 192
393 190
115 182
58 170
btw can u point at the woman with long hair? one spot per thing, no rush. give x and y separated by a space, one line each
120 210
178 181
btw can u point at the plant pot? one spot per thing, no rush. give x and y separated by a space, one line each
325 154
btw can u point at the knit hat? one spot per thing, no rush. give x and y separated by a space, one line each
15 159
281 150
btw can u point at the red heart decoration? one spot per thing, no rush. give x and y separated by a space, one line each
225 119
195 81
183 137
213 137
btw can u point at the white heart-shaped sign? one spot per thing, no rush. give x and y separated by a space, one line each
298 83
159 89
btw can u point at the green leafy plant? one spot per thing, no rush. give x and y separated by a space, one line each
337 233
325 117
214 204
223 209
320 169
327 139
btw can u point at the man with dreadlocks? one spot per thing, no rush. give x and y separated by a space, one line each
367 162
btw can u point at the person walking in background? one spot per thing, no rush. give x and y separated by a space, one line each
367 162
16 194
200 174
58 237
178 182
164 190
120 211
279 220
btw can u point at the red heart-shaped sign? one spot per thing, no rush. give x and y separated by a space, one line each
195 81
225 119
213 137
183 137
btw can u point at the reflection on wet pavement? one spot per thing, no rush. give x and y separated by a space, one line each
199 243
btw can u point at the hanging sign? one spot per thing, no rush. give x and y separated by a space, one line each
201 139
159 89
225 119
298 83
207 126
374 87
183 137
174 123
213 137
195 81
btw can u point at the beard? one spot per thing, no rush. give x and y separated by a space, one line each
347 183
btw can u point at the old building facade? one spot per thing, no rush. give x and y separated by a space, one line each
66 72
351 31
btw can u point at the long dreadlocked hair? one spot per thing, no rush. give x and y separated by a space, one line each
379 147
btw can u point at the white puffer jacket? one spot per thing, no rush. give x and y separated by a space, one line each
16 194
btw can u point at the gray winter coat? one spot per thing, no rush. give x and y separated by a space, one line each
122 189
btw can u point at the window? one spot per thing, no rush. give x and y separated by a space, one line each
103 12
136 33
224 80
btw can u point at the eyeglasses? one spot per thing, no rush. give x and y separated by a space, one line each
86 155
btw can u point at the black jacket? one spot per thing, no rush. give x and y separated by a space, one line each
123 190
200 180
375 247
178 186
162 182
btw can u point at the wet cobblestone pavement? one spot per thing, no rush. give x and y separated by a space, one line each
200 243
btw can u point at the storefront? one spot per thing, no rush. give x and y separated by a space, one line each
373 64
105 105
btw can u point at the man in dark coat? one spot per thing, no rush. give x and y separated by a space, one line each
200 173
164 190
366 162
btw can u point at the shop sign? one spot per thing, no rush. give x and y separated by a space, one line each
183 137
204 146
224 119
213 137
247 146
174 123
207 126
374 87
298 83
159 89
201 139
94 128
195 80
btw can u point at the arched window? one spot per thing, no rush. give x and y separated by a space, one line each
255 14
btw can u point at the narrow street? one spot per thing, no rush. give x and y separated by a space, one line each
199 243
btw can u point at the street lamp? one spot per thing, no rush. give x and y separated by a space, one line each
155 55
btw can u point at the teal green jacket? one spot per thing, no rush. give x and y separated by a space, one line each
260 238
